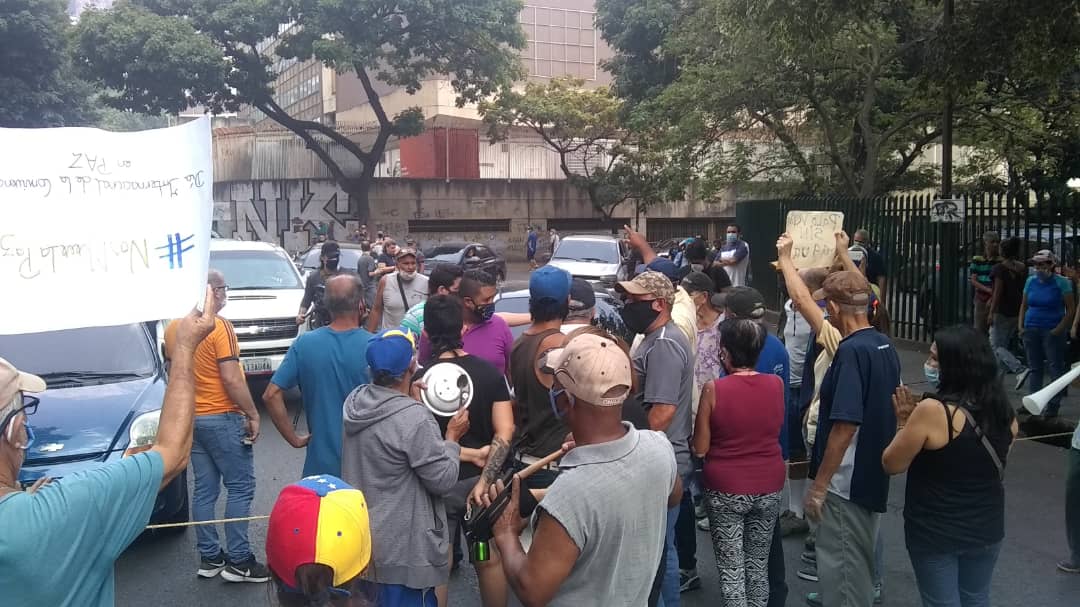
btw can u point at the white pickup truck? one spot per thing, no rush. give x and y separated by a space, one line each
265 290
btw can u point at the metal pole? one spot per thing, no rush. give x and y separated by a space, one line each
947 118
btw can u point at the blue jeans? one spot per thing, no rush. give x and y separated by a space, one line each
957 579
1001 333
669 588
396 595
1045 349
219 457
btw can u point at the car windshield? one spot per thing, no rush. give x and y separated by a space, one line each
121 351
512 304
445 249
588 250
348 261
256 270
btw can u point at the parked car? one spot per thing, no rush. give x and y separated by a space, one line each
308 261
105 389
601 260
467 255
265 291
607 311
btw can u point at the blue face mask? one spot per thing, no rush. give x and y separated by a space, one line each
732 238
553 398
933 374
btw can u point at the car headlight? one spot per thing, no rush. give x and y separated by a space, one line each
609 279
143 432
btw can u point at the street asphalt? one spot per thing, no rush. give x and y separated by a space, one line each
159 569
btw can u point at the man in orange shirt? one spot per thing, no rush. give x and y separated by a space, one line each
226 425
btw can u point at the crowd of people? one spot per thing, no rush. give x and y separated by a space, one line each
604 456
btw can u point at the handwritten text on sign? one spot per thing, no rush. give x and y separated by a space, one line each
102 228
814 237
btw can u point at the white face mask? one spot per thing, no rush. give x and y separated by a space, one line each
407 276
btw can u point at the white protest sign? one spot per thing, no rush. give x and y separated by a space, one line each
102 228
813 235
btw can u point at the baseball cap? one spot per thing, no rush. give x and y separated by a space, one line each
405 251
664 266
698 282
13 381
745 302
391 351
649 283
589 366
551 283
582 296
322 520
1043 256
846 287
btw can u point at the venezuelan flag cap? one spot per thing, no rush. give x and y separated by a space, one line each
322 520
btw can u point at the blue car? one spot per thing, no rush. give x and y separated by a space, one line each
105 389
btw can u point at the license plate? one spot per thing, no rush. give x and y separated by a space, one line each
257 365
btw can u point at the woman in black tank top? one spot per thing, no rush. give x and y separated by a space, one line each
954 446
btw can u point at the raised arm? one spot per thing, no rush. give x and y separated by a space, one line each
637 241
177 420
804 300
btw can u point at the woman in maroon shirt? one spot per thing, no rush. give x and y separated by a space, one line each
738 421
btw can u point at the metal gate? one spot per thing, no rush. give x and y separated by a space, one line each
926 262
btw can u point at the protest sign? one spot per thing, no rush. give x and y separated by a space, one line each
813 235
103 228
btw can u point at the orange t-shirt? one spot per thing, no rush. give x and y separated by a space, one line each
218 347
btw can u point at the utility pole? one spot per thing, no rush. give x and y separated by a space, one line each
947 118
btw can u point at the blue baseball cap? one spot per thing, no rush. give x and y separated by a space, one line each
664 266
551 283
391 351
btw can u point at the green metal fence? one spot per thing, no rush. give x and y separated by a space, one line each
926 262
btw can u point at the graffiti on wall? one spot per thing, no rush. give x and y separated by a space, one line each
292 214
296 213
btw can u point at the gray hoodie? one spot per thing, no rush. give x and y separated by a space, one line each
394 452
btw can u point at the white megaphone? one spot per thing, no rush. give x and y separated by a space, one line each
1035 403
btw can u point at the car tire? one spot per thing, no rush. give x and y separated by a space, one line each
182 513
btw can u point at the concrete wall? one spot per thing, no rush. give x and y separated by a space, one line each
293 212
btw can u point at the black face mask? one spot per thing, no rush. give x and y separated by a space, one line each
638 316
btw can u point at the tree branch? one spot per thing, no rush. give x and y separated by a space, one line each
373 96
311 143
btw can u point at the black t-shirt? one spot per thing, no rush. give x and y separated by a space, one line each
387 260
1012 289
489 387
875 265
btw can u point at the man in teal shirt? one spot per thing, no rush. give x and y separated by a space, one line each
82 523
327 364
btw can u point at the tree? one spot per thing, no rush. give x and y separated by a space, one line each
168 55
834 96
583 126
37 86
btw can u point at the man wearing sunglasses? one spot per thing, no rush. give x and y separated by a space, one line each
60 540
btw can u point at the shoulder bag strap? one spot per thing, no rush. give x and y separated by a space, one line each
401 289
985 441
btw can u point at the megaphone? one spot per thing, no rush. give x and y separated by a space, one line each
1036 403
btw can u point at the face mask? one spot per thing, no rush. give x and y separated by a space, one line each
406 276
29 435
1044 274
732 238
485 312
638 316
553 398
933 374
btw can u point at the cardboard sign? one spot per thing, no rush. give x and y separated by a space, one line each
814 236
103 228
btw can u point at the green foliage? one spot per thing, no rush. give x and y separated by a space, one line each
166 55
37 86
838 96
584 127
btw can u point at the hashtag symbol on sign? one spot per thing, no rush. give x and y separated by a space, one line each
175 250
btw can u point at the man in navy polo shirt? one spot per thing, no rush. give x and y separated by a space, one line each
856 422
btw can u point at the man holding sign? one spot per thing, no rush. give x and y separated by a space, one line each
60 540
